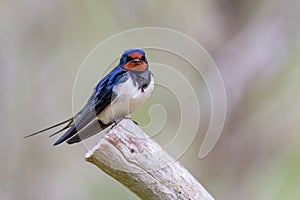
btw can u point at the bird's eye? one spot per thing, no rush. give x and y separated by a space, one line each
143 58
128 59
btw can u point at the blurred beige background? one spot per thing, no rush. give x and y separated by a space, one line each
254 43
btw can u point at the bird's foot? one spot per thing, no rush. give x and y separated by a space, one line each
131 120
115 123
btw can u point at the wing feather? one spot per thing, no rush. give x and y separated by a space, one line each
100 99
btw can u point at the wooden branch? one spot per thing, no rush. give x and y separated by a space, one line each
127 154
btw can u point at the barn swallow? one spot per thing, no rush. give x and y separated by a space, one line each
117 95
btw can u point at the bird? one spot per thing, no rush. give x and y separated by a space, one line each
118 94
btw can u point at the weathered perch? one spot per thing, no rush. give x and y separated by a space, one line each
127 154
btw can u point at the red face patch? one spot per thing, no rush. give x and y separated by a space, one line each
135 55
136 66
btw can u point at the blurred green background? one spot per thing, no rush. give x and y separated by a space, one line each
254 43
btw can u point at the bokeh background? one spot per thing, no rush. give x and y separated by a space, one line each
254 43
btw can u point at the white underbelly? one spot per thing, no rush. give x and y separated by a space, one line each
128 99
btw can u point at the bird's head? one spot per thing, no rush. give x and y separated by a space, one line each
134 60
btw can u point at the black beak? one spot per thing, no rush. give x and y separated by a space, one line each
136 60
